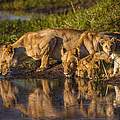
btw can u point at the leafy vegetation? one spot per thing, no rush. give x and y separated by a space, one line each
104 16
28 4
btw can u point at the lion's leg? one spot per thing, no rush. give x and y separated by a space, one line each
118 68
115 67
89 45
89 73
44 62
78 52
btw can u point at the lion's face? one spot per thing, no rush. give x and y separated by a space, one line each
69 61
86 66
70 67
6 59
107 45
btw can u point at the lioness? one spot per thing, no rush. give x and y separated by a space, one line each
69 62
48 43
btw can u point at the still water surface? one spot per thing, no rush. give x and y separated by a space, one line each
69 99
15 15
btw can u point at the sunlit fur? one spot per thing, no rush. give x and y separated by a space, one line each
116 59
85 89
6 55
69 63
8 93
69 97
39 103
48 43
89 64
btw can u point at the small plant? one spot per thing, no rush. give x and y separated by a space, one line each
104 16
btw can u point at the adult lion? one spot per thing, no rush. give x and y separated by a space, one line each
89 43
54 43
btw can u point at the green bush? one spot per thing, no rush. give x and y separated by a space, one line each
104 16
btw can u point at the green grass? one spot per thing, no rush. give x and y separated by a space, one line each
104 16
11 30
28 4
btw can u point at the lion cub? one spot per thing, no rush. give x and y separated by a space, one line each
89 64
69 63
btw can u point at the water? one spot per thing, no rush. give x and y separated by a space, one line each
70 99
9 15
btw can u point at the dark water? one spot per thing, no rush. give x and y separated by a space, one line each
69 99
15 15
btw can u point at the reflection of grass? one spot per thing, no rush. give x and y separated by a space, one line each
102 17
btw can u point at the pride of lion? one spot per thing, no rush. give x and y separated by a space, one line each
79 51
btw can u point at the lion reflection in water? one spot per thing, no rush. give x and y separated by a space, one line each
85 89
73 97
102 107
39 103
8 93
69 94
117 97
74 103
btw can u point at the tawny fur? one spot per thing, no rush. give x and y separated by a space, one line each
8 93
49 43
88 64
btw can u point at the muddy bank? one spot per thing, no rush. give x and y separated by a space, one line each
55 72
